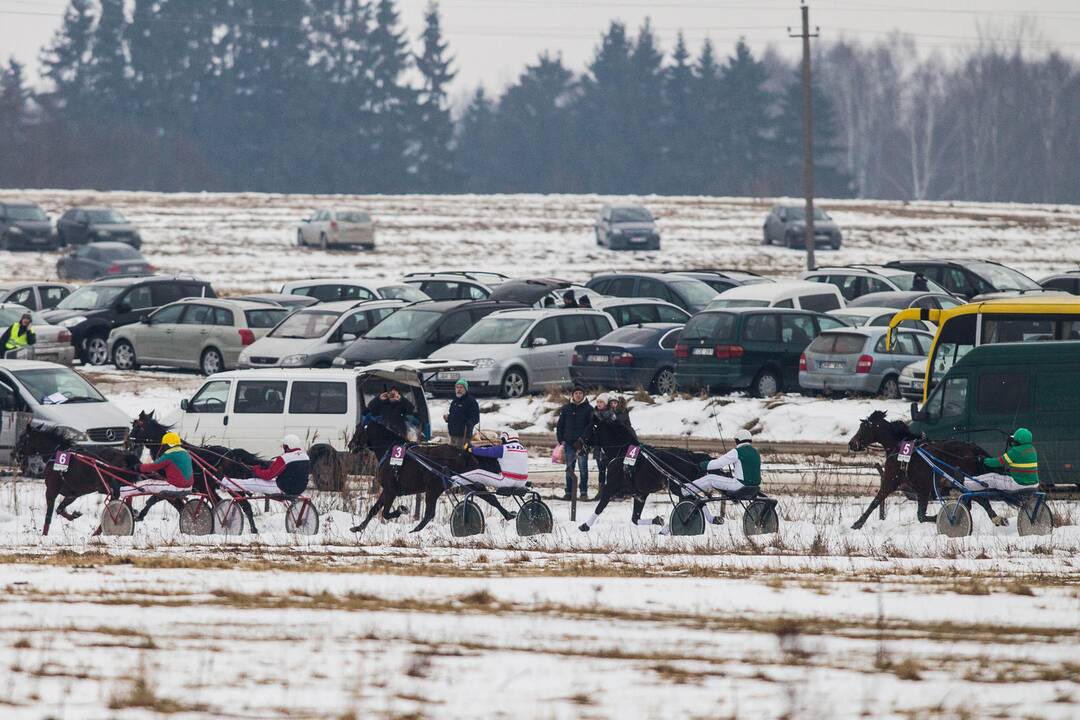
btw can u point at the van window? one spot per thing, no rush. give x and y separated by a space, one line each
261 319
319 398
949 400
198 315
633 314
819 303
710 326
904 344
573 328
547 330
797 329
260 396
762 328
789 303
1004 394
211 399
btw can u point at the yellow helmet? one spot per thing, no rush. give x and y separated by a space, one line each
171 439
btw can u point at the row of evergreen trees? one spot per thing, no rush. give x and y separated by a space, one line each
335 96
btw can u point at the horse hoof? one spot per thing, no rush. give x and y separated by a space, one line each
658 520
1001 521
583 527
357 529
75 515
510 515
857 526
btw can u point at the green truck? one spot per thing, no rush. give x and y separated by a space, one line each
994 389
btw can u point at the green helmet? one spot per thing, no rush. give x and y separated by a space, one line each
1022 436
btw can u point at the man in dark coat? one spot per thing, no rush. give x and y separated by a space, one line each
575 417
393 410
463 416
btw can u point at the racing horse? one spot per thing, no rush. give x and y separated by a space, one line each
413 476
147 431
79 479
643 478
916 474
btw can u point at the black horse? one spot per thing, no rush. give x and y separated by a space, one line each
644 477
915 475
412 476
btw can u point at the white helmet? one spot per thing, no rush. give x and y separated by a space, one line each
505 437
292 442
742 435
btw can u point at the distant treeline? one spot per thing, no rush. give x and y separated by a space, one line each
336 96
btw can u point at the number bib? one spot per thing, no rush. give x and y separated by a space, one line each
397 455
632 454
907 449
62 461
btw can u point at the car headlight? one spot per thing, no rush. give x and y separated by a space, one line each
338 362
616 231
75 434
484 362
15 230
73 321
294 360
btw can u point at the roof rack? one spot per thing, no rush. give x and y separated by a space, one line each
868 267
125 276
470 274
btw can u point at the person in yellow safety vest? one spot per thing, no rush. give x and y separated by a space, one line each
19 335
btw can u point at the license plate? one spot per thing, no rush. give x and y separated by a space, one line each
449 376
40 240
397 455
596 358
703 351
632 454
832 365
639 239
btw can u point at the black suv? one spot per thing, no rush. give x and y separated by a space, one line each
81 225
687 292
25 226
419 329
92 311
1063 282
968 278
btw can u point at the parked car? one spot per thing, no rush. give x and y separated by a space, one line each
448 286
101 259
797 294
337 227
418 330
721 280
520 351
858 280
25 226
34 295
92 311
204 334
786 225
968 278
878 317
857 360
686 292
632 311
906 299
745 348
912 379
333 290
627 227
540 292
633 356
81 225
313 337
285 300
1065 282
53 342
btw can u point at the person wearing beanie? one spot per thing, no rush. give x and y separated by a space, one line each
575 417
463 415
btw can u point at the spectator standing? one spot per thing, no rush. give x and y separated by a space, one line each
463 416
574 419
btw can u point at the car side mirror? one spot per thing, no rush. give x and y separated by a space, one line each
146 320
538 342
305 220
917 414
184 404
348 337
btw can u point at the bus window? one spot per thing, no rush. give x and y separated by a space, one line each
997 329
955 338
1069 330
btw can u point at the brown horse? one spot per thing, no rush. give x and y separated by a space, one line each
80 479
915 475
412 476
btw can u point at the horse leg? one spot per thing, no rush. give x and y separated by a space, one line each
923 499
389 512
878 500
639 507
430 500
493 501
881 510
601 503
150 502
60 510
984 503
371 513
245 507
51 491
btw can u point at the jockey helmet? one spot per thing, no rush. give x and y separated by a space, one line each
505 437
1022 436
291 441
742 435
171 439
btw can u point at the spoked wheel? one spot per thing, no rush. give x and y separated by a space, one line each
687 519
954 520
665 383
1034 520
197 517
760 518
117 519
466 519
534 518
229 517
302 517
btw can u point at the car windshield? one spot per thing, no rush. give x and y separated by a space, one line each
91 297
852 320
408 293
696 293
25 212
1004 278
105 216
351 216
631 214
709 326
405 325
306 324
731 303
54 386
496 331
264 318
798 212
120 252
630 335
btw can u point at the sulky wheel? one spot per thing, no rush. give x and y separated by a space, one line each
760 518
466 519
1035 518
301 517
533 518
687 519
228 517
954 520
117 519
197 517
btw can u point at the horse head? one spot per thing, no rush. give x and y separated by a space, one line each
43 439
147 431
873 430
376 436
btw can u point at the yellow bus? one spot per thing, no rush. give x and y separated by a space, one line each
1014 319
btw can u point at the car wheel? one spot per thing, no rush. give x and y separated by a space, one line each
664 382
300 238
61 239
324 244
124 356
97 350
655 246
766 384
791 240
211 362
890 388
765 238
514 383
836 246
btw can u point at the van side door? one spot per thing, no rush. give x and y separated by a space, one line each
257 422
319 412
1002 398
205 420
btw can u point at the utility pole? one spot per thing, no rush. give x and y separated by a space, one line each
808 133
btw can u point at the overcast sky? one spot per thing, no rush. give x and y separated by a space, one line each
493 39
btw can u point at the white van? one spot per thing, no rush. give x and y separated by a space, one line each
798 294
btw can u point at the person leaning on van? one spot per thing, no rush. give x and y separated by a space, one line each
19 335
393 410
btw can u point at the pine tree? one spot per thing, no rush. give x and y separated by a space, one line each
392 101
646 116
14 97
106 70
64 60
746 121
786 150
681 174
478 160
433 159
603 118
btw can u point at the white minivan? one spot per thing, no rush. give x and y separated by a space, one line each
797 294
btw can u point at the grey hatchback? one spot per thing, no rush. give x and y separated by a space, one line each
856 360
